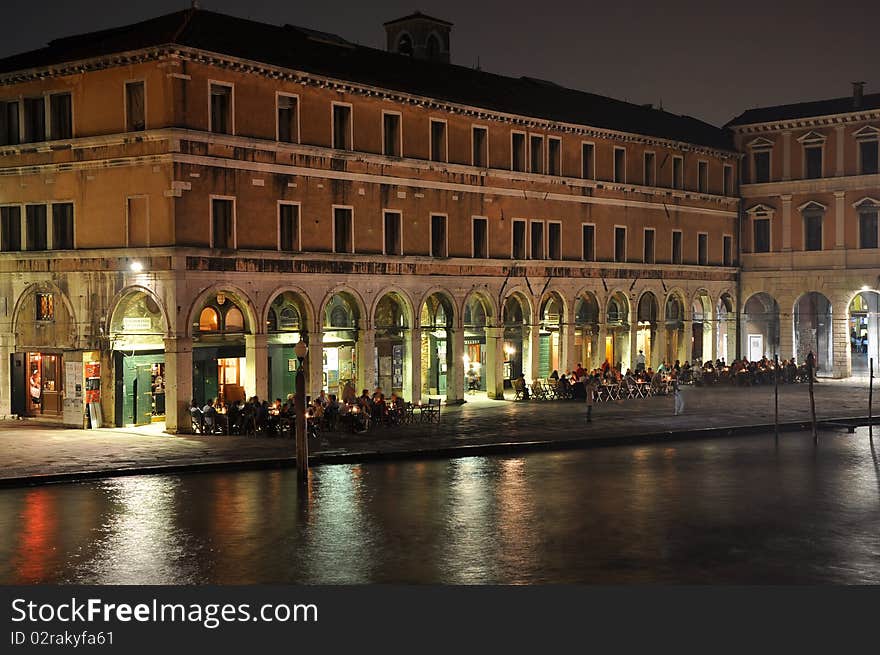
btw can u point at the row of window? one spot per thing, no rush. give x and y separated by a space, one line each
530 239
38 227
757 168
813 221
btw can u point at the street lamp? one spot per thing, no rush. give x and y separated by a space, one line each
302 444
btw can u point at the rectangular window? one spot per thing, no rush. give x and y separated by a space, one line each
619 165
648 255
34 120
518 151
703 177
868 157
342 127
480 139
677 173
35 228
588 243
536 154
10 229
727 251
761 165
391 135
554 241
9 125
620 244
135 107
703 249
812 162
676 246
438 140
519 239
812 230
61 115
649 169
221 109
727 181
288 118
554 156
288 227
588 170
868 228
761 229
438 236
480 233
62 226
222 224
537 239
393 236
45 307
342 229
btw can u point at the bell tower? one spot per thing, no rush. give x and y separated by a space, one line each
419 36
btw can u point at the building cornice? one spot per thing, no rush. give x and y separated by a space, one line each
822 185
806 122
239 65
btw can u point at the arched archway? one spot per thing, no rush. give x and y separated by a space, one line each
514 317
760 327
287 323
341 319
812 331
432 46
617 326
864 331
392 320
137 328
586 329
701 347
436 320
725 320
646 335
478 358
552 318
673 316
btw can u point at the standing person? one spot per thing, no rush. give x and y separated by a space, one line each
590 386
640 362
679 399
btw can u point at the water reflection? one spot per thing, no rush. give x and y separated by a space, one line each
742 510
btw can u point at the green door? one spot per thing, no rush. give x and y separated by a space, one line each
143 396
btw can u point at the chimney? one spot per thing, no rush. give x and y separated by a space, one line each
858 92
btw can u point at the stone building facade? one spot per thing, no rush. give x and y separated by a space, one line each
176 213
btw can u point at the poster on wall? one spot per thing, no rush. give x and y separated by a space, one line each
397 366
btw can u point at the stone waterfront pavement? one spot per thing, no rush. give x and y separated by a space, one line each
33 449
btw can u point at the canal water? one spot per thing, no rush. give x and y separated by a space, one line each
738 510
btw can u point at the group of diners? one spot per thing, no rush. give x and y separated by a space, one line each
325 413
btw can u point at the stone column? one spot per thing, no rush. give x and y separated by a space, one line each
366 355
786 155
493 369
786 224
414 381
568 354
841 355
315 364
600 347
658 349
256 378
532 339
7 347
786 337
633 347
178 384
713 351
839 220
455 367
688 342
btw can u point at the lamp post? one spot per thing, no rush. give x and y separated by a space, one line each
302 444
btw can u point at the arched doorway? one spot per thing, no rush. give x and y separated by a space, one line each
219 363
674 324
617 336
812 331
702 328
436 320
476 318
552 317
137 331
514 315
340 361
586 330
391 322
725 317
760 327
864 331
646 333
286 325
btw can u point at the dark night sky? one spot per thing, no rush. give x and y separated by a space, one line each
703 58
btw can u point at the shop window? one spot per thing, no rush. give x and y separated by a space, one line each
45 307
